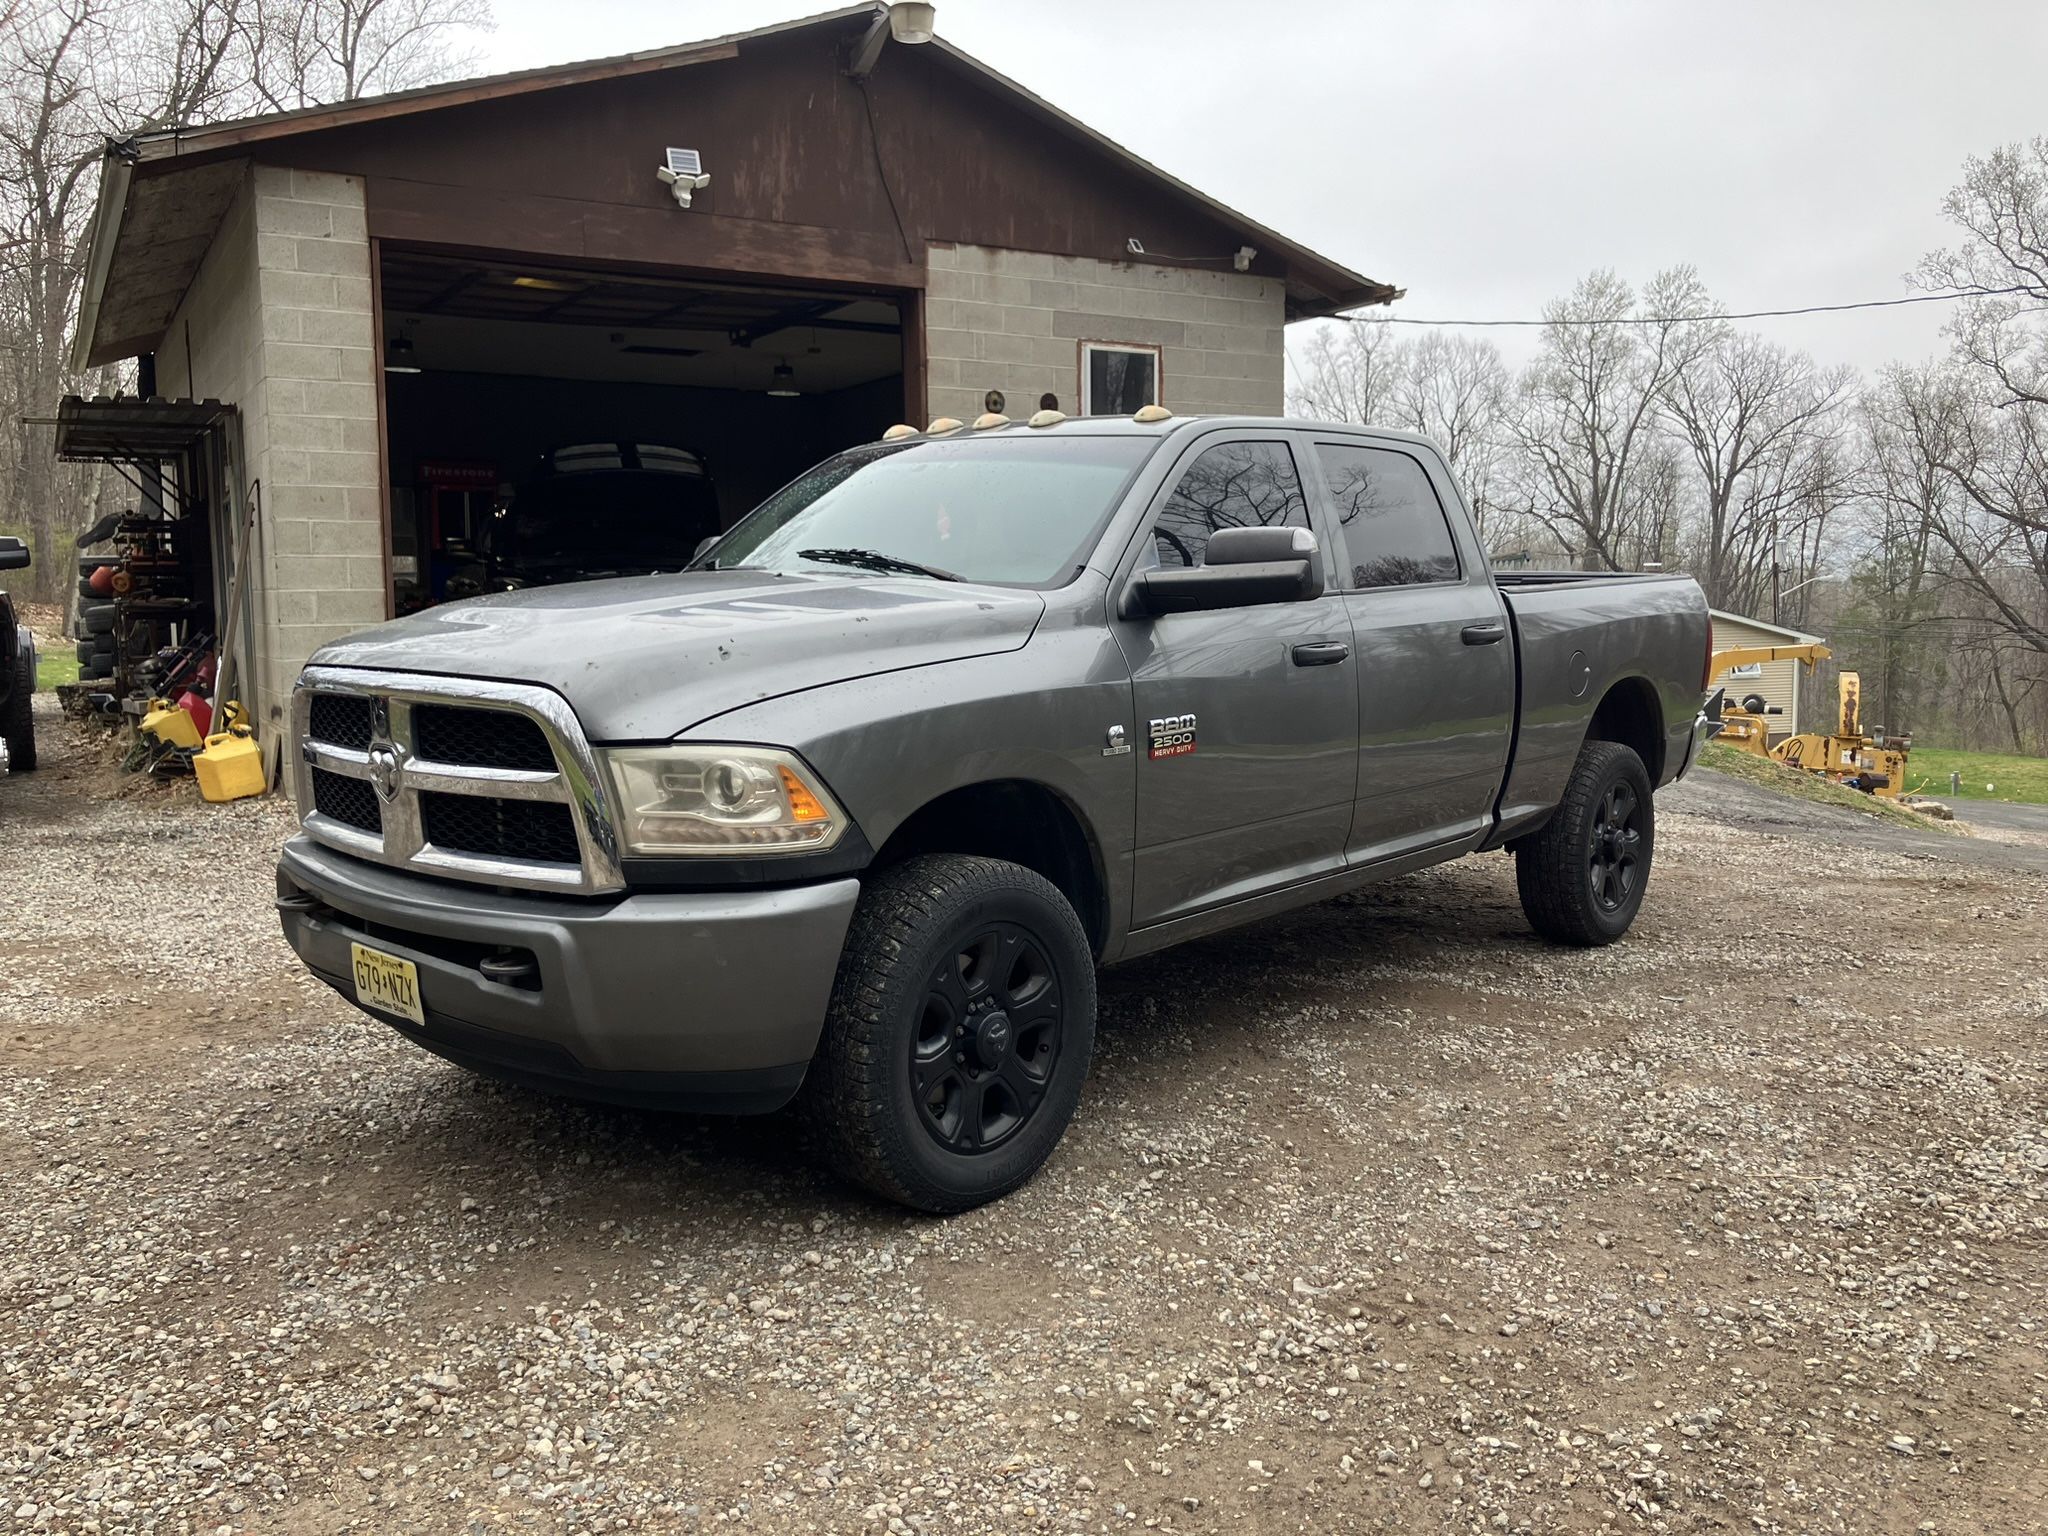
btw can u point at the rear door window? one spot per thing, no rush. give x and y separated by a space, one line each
1391 528
1232 485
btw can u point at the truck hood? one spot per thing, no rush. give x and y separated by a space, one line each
647 658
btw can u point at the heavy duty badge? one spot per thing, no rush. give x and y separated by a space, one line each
1173 736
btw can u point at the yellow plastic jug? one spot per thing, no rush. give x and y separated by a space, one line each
230 767
172 726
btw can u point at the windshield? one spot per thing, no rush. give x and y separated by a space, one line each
608 519
1009 510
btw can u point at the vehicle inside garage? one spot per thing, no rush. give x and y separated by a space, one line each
547 424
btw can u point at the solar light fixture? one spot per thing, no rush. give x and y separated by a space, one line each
684 174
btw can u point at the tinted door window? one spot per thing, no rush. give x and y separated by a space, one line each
1390 526
1233 485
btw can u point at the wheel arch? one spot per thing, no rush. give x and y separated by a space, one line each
1630 715
1023 821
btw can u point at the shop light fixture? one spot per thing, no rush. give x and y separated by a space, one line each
399 357
782 382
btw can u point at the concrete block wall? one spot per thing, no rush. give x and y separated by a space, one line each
1015 321
279 322
322 506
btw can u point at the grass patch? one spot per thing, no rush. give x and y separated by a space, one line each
54 668
1986 775
1798 784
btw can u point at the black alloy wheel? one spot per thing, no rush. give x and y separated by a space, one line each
1582 874
959 1033
987 1040
1615 864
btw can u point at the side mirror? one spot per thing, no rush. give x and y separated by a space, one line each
13 555
1241 568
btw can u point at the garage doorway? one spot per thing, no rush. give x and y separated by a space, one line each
545 424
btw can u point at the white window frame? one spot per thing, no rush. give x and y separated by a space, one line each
1089 348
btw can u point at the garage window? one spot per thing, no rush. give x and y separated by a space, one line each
1118 379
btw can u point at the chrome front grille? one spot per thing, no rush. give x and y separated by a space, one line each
453 777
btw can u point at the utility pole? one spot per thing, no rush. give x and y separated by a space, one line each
1777 574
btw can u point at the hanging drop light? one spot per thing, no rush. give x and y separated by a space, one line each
782 382
398 356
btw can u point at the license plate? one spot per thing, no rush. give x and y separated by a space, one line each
387 983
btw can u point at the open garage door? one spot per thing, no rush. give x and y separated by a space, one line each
545 424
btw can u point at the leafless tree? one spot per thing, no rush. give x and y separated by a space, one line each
303 52
76 73
1983 425
1589 420
1350 372
1758 422
1452 390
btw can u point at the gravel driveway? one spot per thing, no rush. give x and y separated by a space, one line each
1376 1217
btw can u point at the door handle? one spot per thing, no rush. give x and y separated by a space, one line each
1484 634
1321 653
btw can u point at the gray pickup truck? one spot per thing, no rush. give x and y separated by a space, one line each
860 801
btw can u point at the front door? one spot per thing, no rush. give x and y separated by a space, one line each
1436 663
1247 718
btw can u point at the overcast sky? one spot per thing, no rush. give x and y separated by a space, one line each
1484 154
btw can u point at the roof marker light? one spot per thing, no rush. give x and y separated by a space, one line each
897 433
989 419
1148 414
943 424
1047 419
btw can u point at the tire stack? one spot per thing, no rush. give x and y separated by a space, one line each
95 627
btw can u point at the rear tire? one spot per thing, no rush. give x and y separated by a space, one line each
18 728
959 1034
1582 877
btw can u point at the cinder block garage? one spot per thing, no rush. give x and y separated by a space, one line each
562 323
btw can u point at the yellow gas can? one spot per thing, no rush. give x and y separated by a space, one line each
230 767
172 726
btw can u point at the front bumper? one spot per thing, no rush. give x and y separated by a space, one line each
1705 726
706 1000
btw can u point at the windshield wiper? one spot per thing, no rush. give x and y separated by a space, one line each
875 560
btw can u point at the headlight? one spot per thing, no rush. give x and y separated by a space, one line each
721 800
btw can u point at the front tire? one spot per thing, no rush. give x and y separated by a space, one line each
1582 877
960 1030
18 727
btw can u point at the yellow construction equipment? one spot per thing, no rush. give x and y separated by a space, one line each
1743 724
1850 757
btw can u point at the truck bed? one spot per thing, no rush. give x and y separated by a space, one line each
1584 636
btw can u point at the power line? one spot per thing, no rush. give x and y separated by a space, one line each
1752 314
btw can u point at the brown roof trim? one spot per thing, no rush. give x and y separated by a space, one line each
1315 284
1339 286
173 143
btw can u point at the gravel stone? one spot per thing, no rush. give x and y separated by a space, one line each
1383 1184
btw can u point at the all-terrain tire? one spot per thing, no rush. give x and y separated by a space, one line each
18 727
1582 877
905 940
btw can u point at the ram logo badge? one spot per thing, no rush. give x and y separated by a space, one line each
1174 736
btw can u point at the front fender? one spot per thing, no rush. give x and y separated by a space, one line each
889 745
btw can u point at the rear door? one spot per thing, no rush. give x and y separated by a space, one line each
1436 661
1247 718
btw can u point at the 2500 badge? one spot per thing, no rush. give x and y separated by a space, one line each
1173 736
